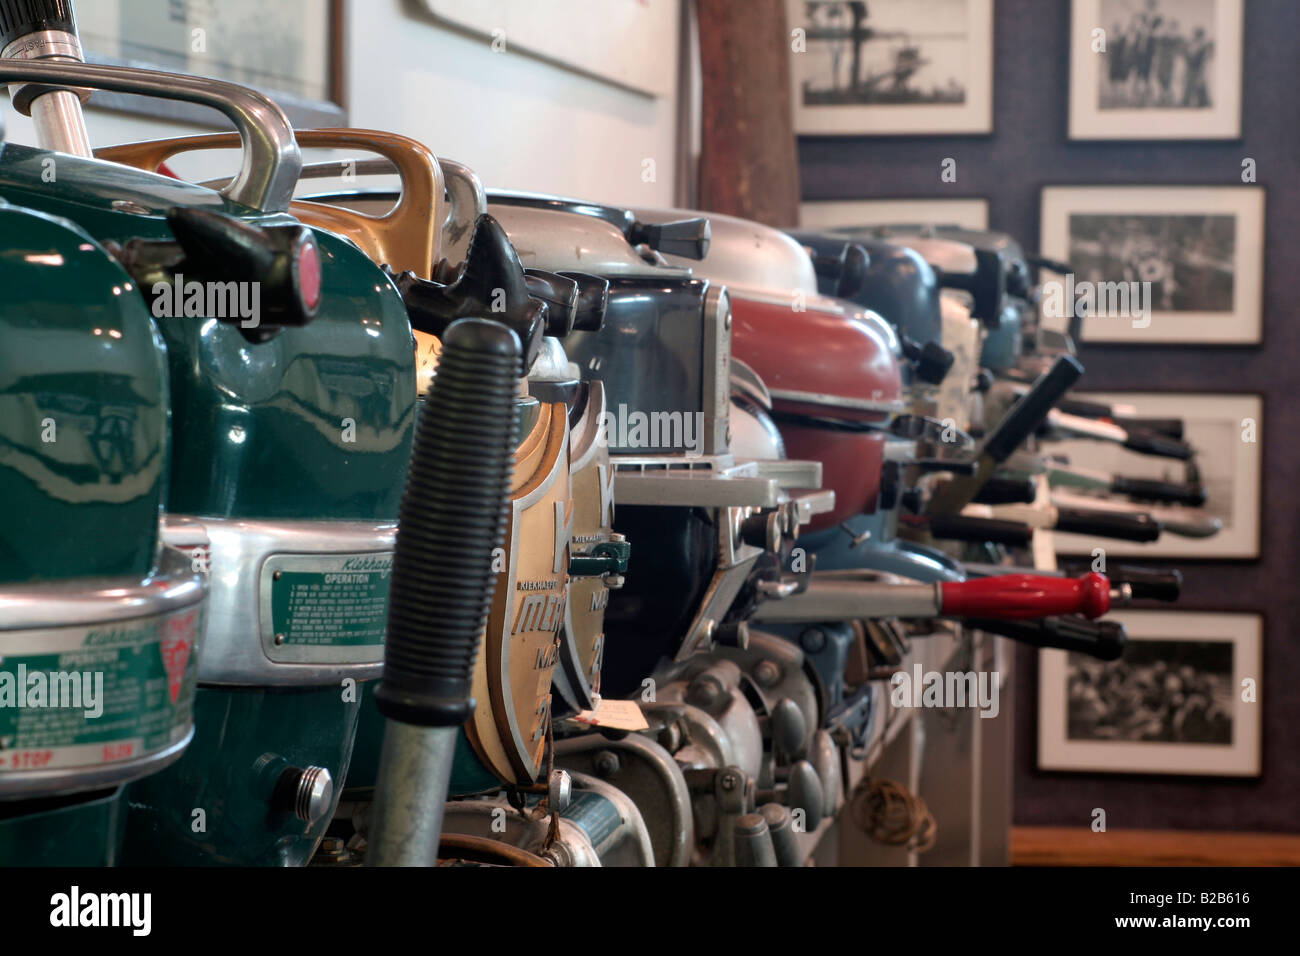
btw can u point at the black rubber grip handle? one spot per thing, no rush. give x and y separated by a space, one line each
491 283
1149 489
1027 414
561 298
944 464
1169 427
1007 491
855 265
593 299
1077 406
1108 524
1148 584
1014 534
453 518
1103 640
281 263
930 361
18 18
847 270
1153 443
987 285
688 238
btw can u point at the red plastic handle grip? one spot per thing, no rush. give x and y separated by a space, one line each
1021 596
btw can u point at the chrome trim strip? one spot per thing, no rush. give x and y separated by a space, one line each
715 363
82 602
839 401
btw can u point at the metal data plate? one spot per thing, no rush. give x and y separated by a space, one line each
324 608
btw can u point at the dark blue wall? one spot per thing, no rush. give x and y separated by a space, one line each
1029 148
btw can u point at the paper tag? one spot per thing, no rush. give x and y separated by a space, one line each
615 714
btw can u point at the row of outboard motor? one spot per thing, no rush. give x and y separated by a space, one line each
428 523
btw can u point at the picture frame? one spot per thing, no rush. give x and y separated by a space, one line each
620 42
1231 469
1156 69
892 67
292 50
1184 264
845 213
1177 702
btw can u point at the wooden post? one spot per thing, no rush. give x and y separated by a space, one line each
748 162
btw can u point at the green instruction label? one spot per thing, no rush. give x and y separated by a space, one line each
331 600
88 696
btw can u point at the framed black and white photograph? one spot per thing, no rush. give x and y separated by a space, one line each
1183 699
1156 264
1156 69
855 213
290 49
1226 431
887 67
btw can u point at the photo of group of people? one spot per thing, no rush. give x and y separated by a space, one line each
1188 260
1160 691
1157 54
1156 69
1182 699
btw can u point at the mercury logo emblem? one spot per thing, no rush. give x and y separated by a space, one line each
539 612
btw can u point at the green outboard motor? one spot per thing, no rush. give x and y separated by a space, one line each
100 626
290 441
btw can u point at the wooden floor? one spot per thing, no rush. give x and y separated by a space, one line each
1079 846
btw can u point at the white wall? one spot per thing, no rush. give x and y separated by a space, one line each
521 123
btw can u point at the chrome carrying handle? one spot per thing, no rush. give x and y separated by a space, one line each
467 199
271 160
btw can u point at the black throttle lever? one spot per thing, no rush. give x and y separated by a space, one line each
491 284
577 300
848 270
931 361
987 285
688 238
278 267
561 298
1158 445
593 299
1144 584
1103 640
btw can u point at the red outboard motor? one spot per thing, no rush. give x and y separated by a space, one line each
835 385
